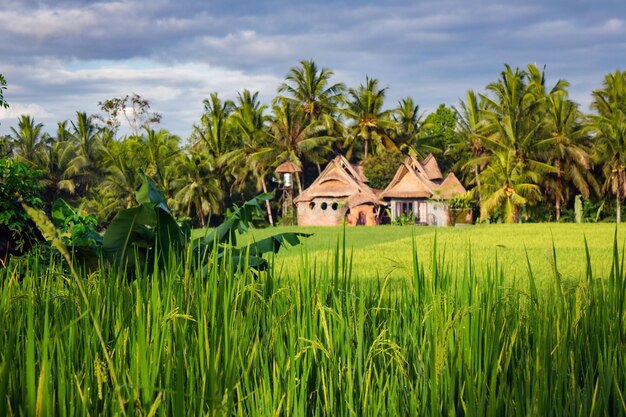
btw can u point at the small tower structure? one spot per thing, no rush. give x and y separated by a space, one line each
286 173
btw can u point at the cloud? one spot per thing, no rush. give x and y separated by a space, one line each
66 55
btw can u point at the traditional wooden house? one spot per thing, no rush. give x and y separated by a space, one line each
339 192
419 190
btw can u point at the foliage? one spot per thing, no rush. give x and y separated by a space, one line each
404 219
134 109
3 87
380 168
464 339
139 238
370 122
17 183
440 127
76 227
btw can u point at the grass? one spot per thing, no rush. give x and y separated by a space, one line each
387 250
462 340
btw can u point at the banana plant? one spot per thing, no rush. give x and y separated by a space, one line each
139 234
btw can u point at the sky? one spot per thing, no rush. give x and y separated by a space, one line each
63 56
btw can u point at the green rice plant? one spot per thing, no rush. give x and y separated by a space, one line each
450 339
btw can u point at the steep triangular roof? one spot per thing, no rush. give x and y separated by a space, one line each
340 180
432 168
451 187
416 179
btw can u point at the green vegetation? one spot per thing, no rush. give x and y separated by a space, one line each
523 148
386 250
451 339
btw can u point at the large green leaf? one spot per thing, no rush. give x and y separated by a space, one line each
169 236
148 194
272 244
129 236
61 211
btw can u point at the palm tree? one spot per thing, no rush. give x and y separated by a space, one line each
293 138
406 129
507 186
608 128
161 149
470 133
61 173
309 87
370 122
249 122
199 189
214 135
88 155
565 151
29 140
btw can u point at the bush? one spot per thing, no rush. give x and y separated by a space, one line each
17 183
380 168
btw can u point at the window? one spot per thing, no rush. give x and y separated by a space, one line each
311 205
323 206
335 206
404 207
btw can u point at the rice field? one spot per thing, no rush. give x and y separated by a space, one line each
454 335
383 251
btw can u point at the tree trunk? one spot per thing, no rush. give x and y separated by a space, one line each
319 168
366 143
618 208
298 182
480 198
267 203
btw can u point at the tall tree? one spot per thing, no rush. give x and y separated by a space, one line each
565 151
134 109
3 87
370 123
249 120
608 127
293 138
28 140
310 88
88 155
60 170
407 128
507 186
199 190
469 150
214 136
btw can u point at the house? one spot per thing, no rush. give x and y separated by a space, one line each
339 192
419 190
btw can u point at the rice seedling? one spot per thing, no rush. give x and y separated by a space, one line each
450 339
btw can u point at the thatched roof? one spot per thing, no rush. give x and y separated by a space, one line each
288 167
451 187
340 180
415 179
432 168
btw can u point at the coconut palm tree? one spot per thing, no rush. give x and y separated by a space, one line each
407 127
215 137
60 174
309 87
370 123
28 140
507 186
470 151
89 151
249 121
292 138
199 190
608 128
161 150
564 150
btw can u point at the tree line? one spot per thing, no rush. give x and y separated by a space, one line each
523 148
